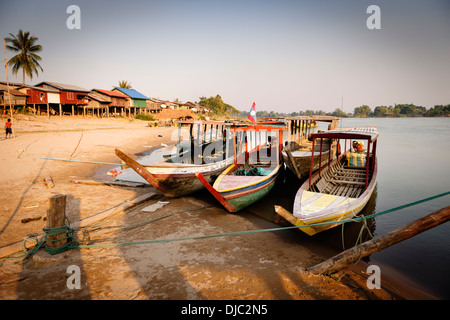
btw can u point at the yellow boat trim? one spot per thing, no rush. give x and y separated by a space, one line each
307 194
219 179
339 215
321 202
308 230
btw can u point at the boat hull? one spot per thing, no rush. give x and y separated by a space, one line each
176 180
316 211
243 197
302 162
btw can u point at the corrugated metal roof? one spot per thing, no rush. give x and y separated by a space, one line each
111 93
63 86
98 98
14 92
42 89
131 93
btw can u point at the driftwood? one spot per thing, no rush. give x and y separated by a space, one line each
367 248
49 182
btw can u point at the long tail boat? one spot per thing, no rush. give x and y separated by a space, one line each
298 148
207 152
255 169
341 188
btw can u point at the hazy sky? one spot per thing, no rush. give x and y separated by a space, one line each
284 55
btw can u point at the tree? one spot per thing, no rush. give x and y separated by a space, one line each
125 84
380 111
217 105
362 111
26 58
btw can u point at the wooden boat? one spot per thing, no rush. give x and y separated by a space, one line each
272 122
254 171
340 189
298 148
174 176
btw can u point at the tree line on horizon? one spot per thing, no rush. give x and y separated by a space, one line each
364 111
26 58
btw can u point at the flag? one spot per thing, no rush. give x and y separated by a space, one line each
252 114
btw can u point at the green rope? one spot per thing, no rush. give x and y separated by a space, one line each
65 229
255 231
70 244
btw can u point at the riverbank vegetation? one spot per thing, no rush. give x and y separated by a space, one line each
364 111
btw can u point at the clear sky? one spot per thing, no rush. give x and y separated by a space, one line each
284 55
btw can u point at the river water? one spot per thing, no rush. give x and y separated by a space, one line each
413 164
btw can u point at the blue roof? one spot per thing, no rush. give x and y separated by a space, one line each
132 93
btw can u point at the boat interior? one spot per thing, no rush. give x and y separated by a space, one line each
306 145
194 153
343 177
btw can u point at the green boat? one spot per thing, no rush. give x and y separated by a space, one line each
256 168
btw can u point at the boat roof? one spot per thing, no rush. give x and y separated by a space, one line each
369 133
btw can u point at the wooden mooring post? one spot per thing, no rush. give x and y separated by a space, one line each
369 247
56 217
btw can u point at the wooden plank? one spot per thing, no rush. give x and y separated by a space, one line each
215 193
347 182
110 183
367 248
140 170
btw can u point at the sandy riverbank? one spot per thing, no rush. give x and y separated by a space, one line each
256 266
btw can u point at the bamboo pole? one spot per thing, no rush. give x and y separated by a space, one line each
13 130
367 248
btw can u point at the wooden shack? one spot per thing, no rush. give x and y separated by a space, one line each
11 97
41 100
72 98
97 106
117 101
136 100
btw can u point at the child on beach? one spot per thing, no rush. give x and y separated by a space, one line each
8 125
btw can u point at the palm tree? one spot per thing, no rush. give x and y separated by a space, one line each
27 59
124 84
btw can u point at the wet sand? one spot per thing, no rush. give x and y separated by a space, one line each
255 266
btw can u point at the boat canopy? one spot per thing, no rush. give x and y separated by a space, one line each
366 133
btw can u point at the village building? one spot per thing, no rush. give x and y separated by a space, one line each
137 102
72 98
153 105
198 108
97 106
11 98
40 100
117 101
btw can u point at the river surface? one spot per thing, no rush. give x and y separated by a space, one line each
413 164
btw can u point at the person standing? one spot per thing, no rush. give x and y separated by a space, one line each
8 125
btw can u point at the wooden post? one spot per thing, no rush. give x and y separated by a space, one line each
60 110
56 217
367 248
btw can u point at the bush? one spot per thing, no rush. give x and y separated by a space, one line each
147 117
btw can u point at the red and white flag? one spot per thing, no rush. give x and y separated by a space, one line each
252 114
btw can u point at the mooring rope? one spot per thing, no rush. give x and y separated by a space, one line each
259 230
71 244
